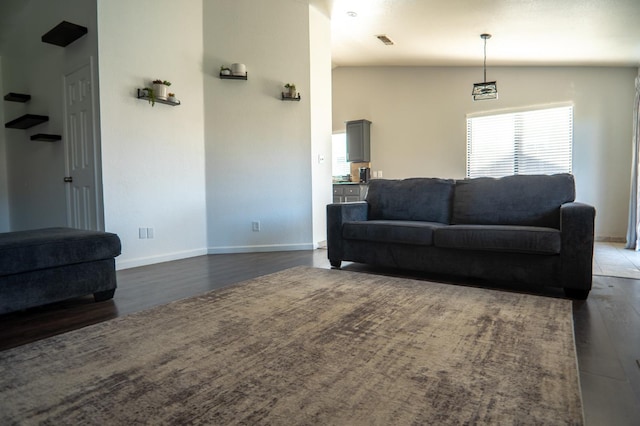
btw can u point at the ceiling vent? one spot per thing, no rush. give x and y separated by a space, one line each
386 40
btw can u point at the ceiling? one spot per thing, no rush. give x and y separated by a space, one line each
447 32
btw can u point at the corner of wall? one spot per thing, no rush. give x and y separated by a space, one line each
4 188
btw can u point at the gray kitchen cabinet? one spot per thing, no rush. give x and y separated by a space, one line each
358 141
346 193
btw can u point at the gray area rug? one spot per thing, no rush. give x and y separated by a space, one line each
308 346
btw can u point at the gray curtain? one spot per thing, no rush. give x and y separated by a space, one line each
633 228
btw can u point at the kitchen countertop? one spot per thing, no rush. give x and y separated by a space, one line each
349 183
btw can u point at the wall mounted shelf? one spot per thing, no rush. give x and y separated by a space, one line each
141 95
233 77
64 34
16 97
289 98
26 121
45 137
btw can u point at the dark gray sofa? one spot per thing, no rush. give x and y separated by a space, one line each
525 229
48 265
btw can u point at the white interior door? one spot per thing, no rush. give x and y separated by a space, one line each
83 192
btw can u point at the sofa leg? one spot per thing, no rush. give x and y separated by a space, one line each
101 296
577 294
335 264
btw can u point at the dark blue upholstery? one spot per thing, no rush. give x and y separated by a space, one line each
33 250
48 265
516 229
393 231
430 199
516 239
532 200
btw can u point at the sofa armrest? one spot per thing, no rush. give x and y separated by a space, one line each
337 215
577 228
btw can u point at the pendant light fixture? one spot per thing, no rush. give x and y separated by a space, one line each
486 89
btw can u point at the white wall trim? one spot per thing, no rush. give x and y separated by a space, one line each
167 257
261 248
609 239
521 109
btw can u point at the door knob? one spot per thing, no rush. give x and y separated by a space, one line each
68 179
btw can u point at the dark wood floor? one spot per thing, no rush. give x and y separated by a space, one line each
607 325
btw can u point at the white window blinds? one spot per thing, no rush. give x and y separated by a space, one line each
526 142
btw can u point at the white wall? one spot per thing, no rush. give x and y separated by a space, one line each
153 157
320 102
419 126
35 170
258 148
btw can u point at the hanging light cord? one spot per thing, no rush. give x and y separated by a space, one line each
485 59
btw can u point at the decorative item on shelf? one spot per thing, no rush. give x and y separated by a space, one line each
160 89
171 97
238 69
291 90
236 72
149 94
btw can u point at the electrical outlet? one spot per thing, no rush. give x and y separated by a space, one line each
255 225
379 173
142 233
149 232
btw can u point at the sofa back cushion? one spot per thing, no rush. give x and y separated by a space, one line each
424 199
529 200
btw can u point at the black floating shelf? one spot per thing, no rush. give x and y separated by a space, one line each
141 95
289 98
26 121
45 137
16 97
233 77
64 34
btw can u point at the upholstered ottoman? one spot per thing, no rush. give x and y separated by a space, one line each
48 265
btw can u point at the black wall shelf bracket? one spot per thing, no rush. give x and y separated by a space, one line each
45 137
289 98
233 77
141 95
26 121
16 97
64 34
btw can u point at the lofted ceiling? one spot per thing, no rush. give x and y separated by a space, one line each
447 32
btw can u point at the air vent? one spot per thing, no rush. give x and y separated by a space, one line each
386 40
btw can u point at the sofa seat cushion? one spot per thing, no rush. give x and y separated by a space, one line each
422 199
391 231
518 239
37 249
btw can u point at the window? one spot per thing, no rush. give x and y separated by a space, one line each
339 165
525 142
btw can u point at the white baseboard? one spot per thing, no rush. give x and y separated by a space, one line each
604 239
167 257
261 248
